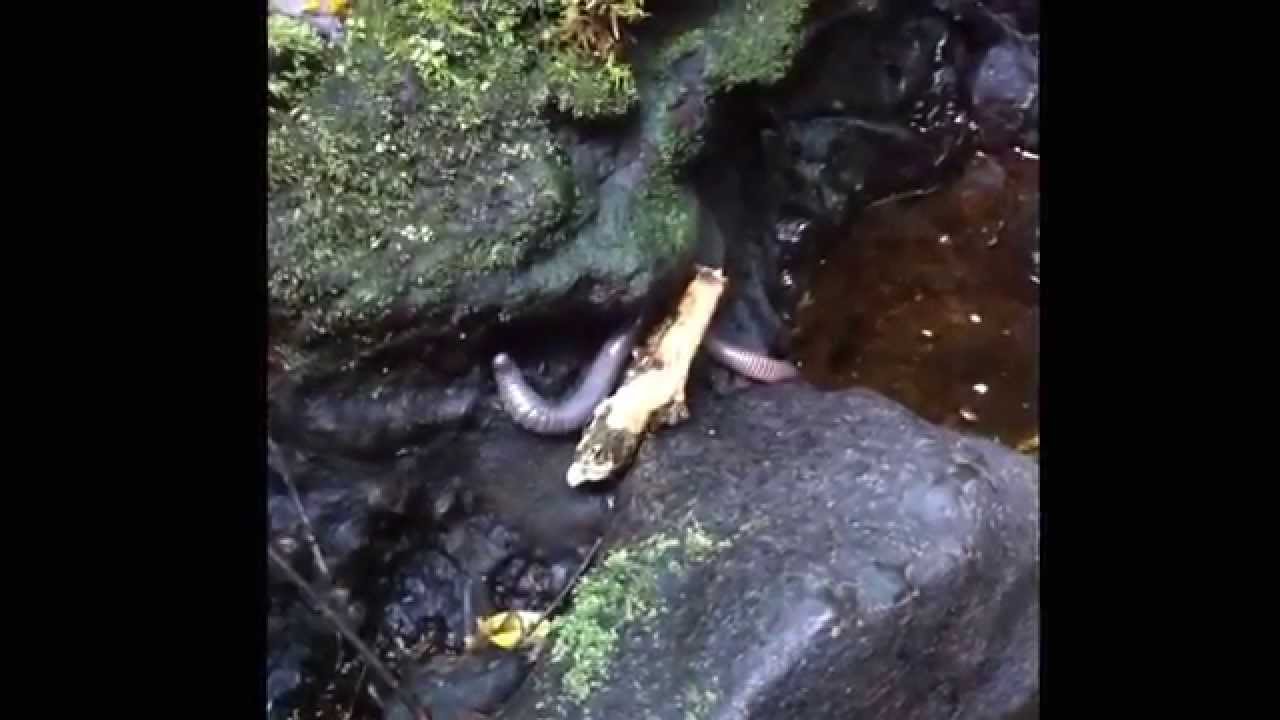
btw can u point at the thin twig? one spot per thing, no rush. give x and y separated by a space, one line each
359 688
302 512
468 615
342 627
308 530
567 587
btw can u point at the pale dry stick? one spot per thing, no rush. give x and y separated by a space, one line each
654 391
333 617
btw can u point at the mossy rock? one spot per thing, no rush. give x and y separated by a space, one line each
793 553
745 42
421 185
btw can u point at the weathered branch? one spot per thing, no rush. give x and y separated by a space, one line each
653 392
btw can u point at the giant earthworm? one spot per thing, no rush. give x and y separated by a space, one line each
748 363
536 414
532 412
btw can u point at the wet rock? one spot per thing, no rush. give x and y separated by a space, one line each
519 477
524 584
491 525
1006 95
876 111
300 646
422 603
371 421
465 687
791 553
287 656
736 236
1025 13
875 107
422 547
887 101
480 543
341 522
521 528
1011 16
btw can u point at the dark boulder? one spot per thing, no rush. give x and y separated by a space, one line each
1006 96
466 687
791 553
874 108
876 111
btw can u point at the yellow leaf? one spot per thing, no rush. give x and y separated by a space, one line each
508 630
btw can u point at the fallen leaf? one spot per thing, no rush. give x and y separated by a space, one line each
508 630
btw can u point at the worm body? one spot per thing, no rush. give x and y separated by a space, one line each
747 363
534 413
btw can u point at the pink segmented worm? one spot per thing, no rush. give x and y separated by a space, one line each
536 414
747 363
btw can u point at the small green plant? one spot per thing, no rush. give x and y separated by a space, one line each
594 26
587 73
297 60
588 87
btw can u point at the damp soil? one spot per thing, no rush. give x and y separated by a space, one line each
935 301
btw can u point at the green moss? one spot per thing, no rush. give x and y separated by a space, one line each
469 62
747 41
285 33
464 180
464 50
388 195
662 217
297 60
756 42
367 188
683 45
677 140
589 88
622 590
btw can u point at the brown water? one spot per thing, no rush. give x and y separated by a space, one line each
934 301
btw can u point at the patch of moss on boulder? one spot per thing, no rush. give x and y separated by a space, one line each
756 43
419 160
623 590
420 179
747 41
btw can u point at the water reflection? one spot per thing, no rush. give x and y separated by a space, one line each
934 301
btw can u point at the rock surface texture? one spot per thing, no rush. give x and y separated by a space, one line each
826 555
